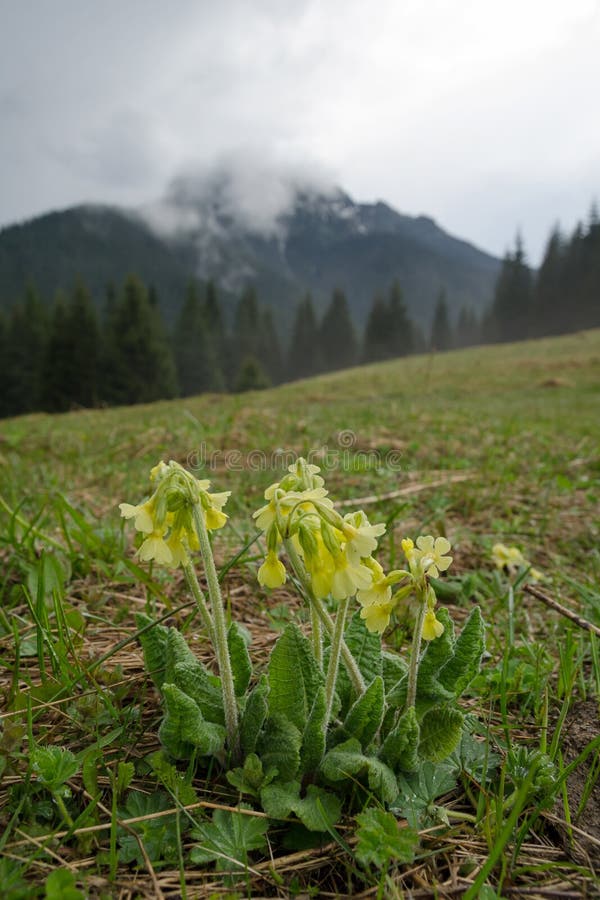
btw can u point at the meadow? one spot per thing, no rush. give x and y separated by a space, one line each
483 446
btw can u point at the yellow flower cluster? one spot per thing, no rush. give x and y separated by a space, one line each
335 550
427 558
511 559
166 518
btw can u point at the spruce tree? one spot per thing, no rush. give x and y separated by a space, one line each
194 351
217 336
549 308
25 347
57 367
139 357
401 337
339 348
269 348
84 332
441 331
512 307
304 357
376 345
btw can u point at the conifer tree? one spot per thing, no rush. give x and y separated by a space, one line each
269 348
549 309
376 346
441 331
304 356
401 337
339 348
194 351
56 366
512 307
25 347
139 358
84 331
217 336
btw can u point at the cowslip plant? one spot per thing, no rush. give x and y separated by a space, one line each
336 719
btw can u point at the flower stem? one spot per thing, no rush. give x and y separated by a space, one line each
413 670
316 606
334 659
198 595
317 635
220 636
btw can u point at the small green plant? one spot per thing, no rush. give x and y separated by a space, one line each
336 720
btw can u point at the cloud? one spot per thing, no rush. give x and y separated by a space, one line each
250 188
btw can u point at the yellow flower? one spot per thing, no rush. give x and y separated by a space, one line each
155 547
214 518
430 554
348 577
272 572
432 627
175 543
380 590
377 615
510 558
361 537
143 515
408 547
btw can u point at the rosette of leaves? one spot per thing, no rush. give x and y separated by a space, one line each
295 763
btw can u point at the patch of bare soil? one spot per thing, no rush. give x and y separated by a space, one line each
582 842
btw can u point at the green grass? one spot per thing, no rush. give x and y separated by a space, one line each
520 422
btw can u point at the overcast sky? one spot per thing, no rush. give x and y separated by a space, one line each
481 114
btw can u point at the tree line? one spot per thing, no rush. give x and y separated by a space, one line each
70 356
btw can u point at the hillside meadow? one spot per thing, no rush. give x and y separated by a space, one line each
483 446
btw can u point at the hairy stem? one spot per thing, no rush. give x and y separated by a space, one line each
334 659
220 637
413 670
198 595
317 635
317 607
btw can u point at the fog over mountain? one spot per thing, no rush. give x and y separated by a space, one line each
285 229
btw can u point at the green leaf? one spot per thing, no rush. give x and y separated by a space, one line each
279 746
60 885
195 680
154 646
228 839
319 810
177 652
176 783
184 729
254 715
441 729
394 668
347 762
365 716
381 839
417 793
313 739
53 766
125 773
365 647
241 665
468 650
158 835
400 748
250 778
294 677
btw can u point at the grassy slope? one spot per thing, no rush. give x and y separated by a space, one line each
521 421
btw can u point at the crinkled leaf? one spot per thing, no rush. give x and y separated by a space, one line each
177 652
400 748
195 680
241 665
184 729
279 746
393 669
419 791
365 647
154 646
313 739
53 766
319 810
441 730
347 761
254 715
468 650
475 758
250 778
228 839
364 717
381 840
294 677
159 835
125 773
